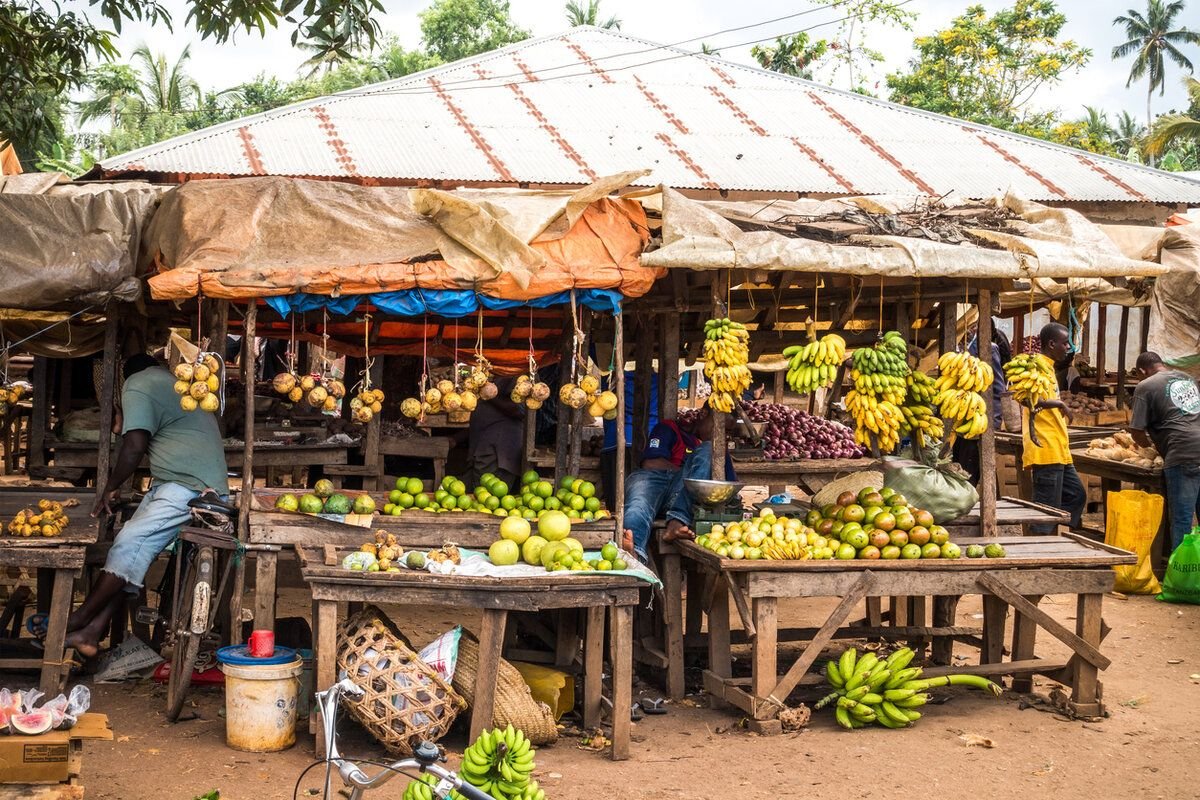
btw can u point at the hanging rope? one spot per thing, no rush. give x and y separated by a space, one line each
881 304
424 354
913 328
532 358
367 361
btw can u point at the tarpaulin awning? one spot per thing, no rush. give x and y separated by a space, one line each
1175 311
271 237
440 302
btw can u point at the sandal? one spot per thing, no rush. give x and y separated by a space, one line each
37 625
653 705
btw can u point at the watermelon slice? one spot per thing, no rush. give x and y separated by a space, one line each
32 723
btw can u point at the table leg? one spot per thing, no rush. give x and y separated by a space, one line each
491 642
1085 683
918 615
720 655
593 667
54 671
874 612
694 608
1023 638
766 645
325 639
673 633
995 611
945 608
620 645
566 646
265 565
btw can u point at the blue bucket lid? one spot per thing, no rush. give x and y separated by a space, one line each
239 656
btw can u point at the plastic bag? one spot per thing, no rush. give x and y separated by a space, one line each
1181 584
442 653
940 488
1132 523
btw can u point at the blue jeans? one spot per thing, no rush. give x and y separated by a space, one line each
1058 485
155 525
651 493
1183 499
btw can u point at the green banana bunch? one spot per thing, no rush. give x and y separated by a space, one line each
884 691
814 365
500 762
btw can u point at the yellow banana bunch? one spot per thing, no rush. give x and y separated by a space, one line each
725 357
965 409
880 377
871 415
775 550
1029 379
814 365
963 371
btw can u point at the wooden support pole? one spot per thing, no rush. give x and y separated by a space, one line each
1018 343
668 366
1122 346
718 441
948 327
1144 340
371 442
108 393
618 377
987 443
249 353
562 445
218 331
39 418
1102 346
575 446
643 378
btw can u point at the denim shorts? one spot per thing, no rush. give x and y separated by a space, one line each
154 526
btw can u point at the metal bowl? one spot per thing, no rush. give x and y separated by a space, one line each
711 493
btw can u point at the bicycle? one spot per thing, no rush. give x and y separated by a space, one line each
203 553
425 758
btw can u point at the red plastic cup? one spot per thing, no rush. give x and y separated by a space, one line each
261 644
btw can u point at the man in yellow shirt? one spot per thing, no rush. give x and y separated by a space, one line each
1055 481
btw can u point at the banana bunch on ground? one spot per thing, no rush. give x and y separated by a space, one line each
881 417
885 691
1029 380
500 762
963 371
917 408
726 353
198 384
814 365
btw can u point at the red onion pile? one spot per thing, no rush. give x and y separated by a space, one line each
792 433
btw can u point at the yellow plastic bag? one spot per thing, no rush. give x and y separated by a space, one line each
1132 523
550 686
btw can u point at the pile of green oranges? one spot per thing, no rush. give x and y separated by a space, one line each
574 497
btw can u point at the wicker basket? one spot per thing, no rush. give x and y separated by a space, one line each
514 704
406 701
854 482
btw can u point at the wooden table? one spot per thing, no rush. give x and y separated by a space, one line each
84 454
495 598
434 448
1035 566
58 561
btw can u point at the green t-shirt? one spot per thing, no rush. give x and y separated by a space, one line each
185 447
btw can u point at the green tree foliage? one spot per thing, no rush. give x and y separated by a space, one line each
588 13
791 55
454 29
987 69
1152 38
848 50
1180 131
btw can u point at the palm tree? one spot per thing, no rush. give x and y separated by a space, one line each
708 50
115 91
1177 129
1097 124
326 54
1128 133
791 55
166 87
589 14
1151 38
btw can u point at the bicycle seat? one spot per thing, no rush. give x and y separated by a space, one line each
213 504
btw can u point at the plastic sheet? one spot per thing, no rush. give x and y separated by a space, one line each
445 302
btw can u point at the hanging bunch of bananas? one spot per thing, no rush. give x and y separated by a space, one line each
879 374
888 356
871 415
918 411
886 691
814 365
726 354
1029 379
500 762
960 380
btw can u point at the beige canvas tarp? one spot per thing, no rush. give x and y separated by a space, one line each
1045 242
1175 311
257 237
65 245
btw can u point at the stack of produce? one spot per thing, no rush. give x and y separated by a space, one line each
386 555
1032 344
792 433
886 691
1086 404
726 355
574 497
879 376
198 384
1122 447
1029 380
323 499
10 395
961 379
48 520
532 393
917 408
587 395
814 365
321 392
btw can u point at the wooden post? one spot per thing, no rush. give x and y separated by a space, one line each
1018 343
566 358
1144 341
1122 346
948 327
618 376
718 441
108 391
530 438
1102 346
1085 346
575 445
643 377
249 352
777 387
987 443
218 331
39 418
371 442
668 366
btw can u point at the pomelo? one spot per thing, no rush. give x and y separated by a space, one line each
515 529
364 504
504 553
574 544
531 551
323 488
287 502
554 526
311 504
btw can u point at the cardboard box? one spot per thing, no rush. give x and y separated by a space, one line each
52 757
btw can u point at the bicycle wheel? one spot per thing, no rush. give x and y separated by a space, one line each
191 613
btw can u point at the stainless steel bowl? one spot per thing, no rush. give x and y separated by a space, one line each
711 493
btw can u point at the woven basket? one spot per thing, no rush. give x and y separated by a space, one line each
854 482
514 704
406 701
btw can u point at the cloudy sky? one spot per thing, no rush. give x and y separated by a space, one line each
1101 83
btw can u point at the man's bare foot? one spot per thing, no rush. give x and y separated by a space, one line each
677 530
84 644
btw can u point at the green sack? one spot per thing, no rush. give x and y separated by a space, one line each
1182 581
939 487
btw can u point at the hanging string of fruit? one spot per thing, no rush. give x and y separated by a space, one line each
814 365
367 402
11 394
320 390
528 389
879 374
586 394
726 355
198 383
960 380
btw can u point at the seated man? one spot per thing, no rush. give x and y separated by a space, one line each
186 457
675 451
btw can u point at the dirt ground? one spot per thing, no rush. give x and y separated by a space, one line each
1146 749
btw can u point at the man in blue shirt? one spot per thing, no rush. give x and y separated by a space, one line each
675 451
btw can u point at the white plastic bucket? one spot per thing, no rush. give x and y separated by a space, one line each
260 705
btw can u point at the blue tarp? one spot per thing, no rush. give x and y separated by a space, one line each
441 302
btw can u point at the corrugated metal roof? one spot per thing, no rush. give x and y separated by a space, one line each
564 109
